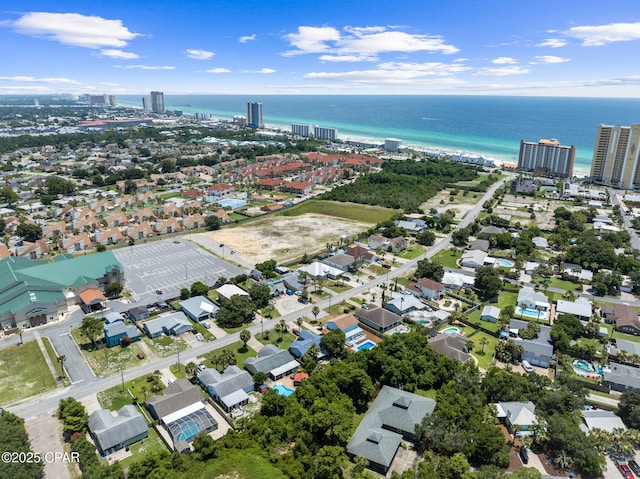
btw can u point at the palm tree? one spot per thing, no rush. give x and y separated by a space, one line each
245 336
562 460
483 342
299 322
20 331
282 328
61 359
191 368
315 311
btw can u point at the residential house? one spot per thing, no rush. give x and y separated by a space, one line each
111 432
343 262
305 339
375 242
488 231
479 244
623 316
182 412
392 417
113 317
273 361
621 377
317 270
454 346
530 266
457 281
109 236
220 191
473 259
603 420
192 222
199 308
377 318
167 323
114 333
581 308
631 348
348 324
540 242
576 273
361 255
73 243
398 244
430 289
537 351
490 314
402 303
298 187
226 291
229 388
519 417
410 227
531 300
140 231
138 313
167 226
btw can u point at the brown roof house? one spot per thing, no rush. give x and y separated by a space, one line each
380 319
430 289
625 317
453 346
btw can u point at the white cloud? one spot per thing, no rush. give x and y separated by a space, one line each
144 67
199 54
502 71
598 35
552 43
311 39
504 61
426 69
247 38
218 70
30 79
365 42
119 54
551 59
461 60
345 58
265 71
25 89
75 29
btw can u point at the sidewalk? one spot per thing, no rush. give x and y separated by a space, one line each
254 344
47 359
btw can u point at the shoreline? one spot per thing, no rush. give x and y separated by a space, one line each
421 147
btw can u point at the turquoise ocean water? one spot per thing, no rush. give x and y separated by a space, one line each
488 125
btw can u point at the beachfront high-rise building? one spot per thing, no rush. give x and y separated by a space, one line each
616 156
254 115
323 133
157 102
145 104
298 129
392 144
112 100
547 156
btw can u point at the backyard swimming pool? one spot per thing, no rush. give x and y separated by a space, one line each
282 390
585 368
366 345
505 262
451 330
531 313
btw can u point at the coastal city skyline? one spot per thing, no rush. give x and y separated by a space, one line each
412 48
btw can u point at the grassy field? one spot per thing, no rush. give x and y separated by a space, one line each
412 252
54 359
229 464
237 216
274 338
166 345
447 258
24 373
150 445
484 358
242 353
108 361
115 397
349 211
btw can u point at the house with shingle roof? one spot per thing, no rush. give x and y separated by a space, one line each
228 388
519 417
111 432
623 316
454 346
621 377
430 289
167 323
273 361
378 318
392 417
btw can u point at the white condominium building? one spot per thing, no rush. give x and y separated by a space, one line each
615 156
547 156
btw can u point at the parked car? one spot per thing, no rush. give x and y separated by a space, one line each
140 356
303 300
199 337
385 265
158 291
206 324
201 367
633 465
625 470
263 388
524 455
526 366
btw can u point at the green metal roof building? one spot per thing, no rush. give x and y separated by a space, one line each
34 292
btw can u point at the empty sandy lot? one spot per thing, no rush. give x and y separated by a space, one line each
285 239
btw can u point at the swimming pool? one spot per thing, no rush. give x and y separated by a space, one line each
531 313
282 390
451 330
366 345
188 432
505 262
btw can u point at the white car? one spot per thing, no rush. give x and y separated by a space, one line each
526 366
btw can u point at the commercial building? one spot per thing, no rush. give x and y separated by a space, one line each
254 115
615 156
547 156
323 133
392 144
157 102
300 130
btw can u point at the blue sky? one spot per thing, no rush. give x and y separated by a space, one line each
497 47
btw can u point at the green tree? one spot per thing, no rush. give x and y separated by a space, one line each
90 328
29 231
199 289
426 238
184 293
113 289
204 447
212 222
259 378
315 311
260 294
14 439
7 195
101 248
488 283
236 311
430 269
332 343
73 415
245 336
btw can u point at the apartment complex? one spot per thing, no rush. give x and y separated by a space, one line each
298 129
547 156
323 133
157 102
254 115
615 156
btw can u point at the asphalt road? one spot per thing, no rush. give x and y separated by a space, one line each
83 386
635 241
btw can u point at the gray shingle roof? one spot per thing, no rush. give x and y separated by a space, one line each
392 409
379 316
269 358
231 380
451 345
110 430
620 374
177 395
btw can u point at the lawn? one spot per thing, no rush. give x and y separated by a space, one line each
377 270
169 194
274 338
54 359
339 287
229 464
506 299
141 449
24 373
556 282
349 211
465 330
115 397
447 258
204 331
166 345
178 370
484 359
237 216
474 318
412 252
242 353
107 361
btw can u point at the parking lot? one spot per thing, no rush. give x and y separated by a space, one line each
167 266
